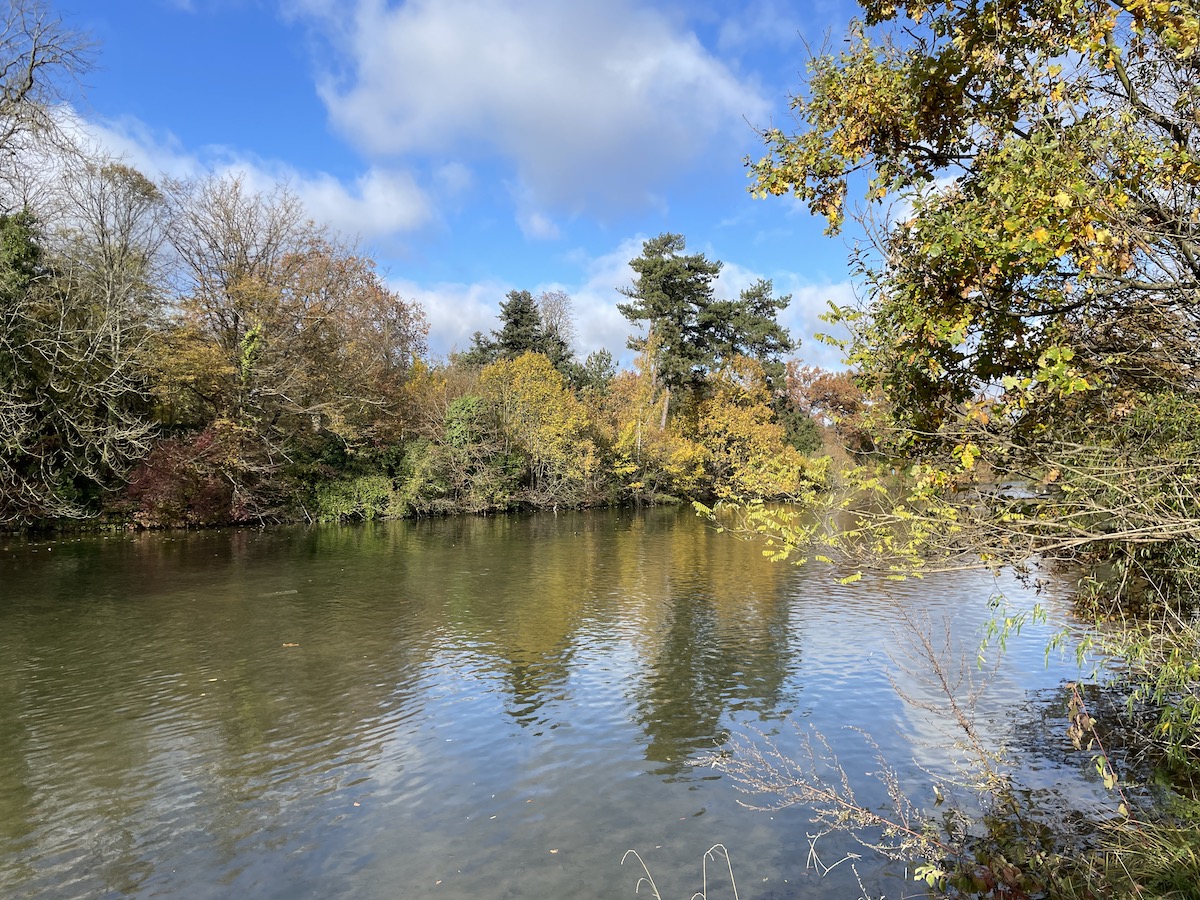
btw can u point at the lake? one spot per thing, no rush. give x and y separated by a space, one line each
459 708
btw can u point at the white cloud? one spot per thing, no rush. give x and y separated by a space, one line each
381 202
591 102
453 178
454 311
598 322
378 203
759 25
802 317
537 225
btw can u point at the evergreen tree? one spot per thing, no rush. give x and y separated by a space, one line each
671 293
693 331
482 352
522 330
748 327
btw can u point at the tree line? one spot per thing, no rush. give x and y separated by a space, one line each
196 352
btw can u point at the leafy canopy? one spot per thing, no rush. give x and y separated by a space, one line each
1032 299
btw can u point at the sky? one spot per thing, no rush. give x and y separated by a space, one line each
474 147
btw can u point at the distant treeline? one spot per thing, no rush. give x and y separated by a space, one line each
182 354
178 354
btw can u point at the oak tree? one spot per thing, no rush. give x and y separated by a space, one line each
1033 296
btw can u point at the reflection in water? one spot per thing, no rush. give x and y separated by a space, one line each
720 644
493 707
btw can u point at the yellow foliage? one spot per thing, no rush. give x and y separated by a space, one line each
542 418
749 456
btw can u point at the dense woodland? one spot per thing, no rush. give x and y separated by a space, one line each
198 354
201 353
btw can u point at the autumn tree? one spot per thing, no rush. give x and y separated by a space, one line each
1030 320
832 400
1036 300
648 460
452 456
748 456
286 335
77 298
543 420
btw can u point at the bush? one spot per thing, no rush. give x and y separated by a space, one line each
362 499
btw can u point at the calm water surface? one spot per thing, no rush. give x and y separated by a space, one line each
482 708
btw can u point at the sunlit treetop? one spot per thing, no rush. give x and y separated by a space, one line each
948 81
1046 153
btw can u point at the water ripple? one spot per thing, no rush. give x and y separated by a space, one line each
486 707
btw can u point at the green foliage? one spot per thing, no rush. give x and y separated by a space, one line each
522 330
467 421
670 294
358 499
20 256
423 484
800 430
528 325
597 372
692 332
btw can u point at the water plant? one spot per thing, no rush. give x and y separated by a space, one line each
647 880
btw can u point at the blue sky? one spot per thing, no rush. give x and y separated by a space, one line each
476 146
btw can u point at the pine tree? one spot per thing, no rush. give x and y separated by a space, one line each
522 329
